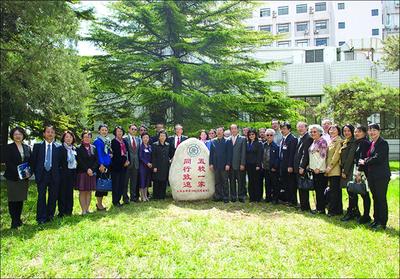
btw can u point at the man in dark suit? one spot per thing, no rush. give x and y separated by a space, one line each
270 167
301 159
132 173
220 163
287 151
237 170
175 140
45 162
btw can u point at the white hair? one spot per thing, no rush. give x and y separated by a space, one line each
316 127
326 120
272 131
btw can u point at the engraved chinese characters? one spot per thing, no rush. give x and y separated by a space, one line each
190 176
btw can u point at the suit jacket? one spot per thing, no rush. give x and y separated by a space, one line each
160 159
171 141
117 160
361 153
347 154
378 161
238 152
220 154
133 154
86 161
254 153
302 156
13 159
287 151
273 155
38 159
333 157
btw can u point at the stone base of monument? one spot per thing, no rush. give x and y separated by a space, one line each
190 176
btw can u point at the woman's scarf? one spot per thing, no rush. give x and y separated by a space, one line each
320 146
123 146
107 143
345 143
71 153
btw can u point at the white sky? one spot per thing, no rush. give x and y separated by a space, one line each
100 10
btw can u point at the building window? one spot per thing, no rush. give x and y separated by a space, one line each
302 43
375 12
341 43
284 10
341 25
321 6
301 9
265 28
301 26
315 55
349 55
321 42
321 25
340 6
375 32
283 28
250 28
284 44
265 12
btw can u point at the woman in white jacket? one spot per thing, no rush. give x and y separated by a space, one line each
318 151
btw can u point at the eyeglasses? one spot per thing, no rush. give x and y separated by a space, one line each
134 129
313 132
269 135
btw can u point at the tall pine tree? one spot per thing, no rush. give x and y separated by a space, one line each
184 61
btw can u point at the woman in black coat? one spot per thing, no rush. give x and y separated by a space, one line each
16 153
362 145
377 164
68 174
254 153
86 170
161 158
119 164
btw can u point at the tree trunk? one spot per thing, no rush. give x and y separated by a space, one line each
5 123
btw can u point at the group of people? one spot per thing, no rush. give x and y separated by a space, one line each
273 159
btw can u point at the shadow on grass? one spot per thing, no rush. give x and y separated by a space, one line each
29 230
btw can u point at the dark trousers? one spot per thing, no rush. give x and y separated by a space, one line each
118 182
379 186
304 197
45 210
255 189
15 210
159 189
221 185
237 177
66 192
353 204
335 196
289 184
271 185
320 184
131 179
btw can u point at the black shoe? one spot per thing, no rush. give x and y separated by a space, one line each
321 212
41 222
379 227
226 201
134 200
126 202
117 205
242 200
373 224
365 219
275 202
233 200
347 217
312 211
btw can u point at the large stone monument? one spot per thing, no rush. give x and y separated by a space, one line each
190 176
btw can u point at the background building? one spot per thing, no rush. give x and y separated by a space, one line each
391 17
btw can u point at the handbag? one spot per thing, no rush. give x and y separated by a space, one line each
104 182
306 182
357 187
359 183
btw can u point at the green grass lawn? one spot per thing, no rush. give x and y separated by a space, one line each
394 165
198 239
